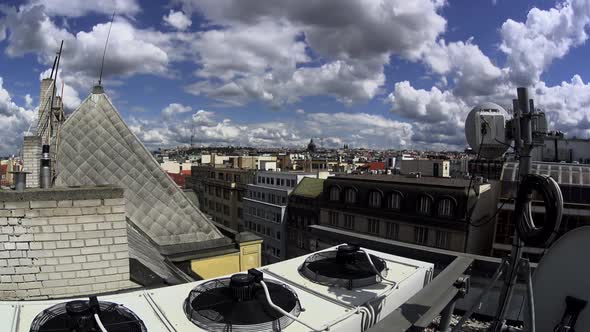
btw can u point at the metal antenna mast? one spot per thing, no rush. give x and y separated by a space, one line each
106 43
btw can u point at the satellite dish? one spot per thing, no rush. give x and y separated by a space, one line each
563 272
485 126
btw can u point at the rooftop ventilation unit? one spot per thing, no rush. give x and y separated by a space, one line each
238 303
347 267
87 316
276 297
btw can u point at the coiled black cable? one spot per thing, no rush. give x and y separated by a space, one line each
549 190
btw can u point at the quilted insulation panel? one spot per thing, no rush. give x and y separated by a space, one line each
96 147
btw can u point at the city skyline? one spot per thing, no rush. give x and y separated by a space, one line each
369 74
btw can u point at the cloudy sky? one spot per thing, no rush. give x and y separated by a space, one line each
368 73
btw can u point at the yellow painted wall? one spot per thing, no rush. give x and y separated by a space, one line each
212 267
250 255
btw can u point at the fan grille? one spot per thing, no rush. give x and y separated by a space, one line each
213 307
327 269
115 318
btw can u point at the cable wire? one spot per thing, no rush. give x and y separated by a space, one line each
549 190
99 322
105 45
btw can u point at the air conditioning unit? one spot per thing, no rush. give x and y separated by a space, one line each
344 288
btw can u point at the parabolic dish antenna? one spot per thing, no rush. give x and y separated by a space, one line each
485 129
563 271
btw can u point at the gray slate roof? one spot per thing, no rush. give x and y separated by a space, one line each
96 147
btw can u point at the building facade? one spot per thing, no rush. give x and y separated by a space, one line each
303 210
264 210
221 191
425 211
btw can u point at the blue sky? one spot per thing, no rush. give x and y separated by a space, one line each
381 74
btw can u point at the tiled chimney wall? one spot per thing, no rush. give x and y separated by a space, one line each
62 242
32 160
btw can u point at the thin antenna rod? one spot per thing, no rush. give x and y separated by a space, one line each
106 43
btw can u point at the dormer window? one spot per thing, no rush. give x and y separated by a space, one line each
394 201
425 205
446 207
334 194
350 195
375 199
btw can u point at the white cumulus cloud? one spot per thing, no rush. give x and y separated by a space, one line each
177 20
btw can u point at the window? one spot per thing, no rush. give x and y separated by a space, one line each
212 175
259 179
211 190
240 213
225 193
424 204
420 235
394 201
226 210
446 207
240 196
278 235
272 181
228 177
237 178
375 199
392 231
218 191
442 239
349 221
350 195
334 194
278 217
333 218
373 226
217 207
220 176
284 200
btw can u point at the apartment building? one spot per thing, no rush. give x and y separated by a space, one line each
303 210
220 191
265 206
428 211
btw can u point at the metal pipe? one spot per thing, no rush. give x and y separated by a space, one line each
446 316
45 175
524 167
20 180
530 326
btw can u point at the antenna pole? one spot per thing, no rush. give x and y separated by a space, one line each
523 146
104 52
53 93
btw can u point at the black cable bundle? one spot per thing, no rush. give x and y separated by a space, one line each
549 190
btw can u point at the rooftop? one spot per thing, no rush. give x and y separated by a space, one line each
309 187
424 180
